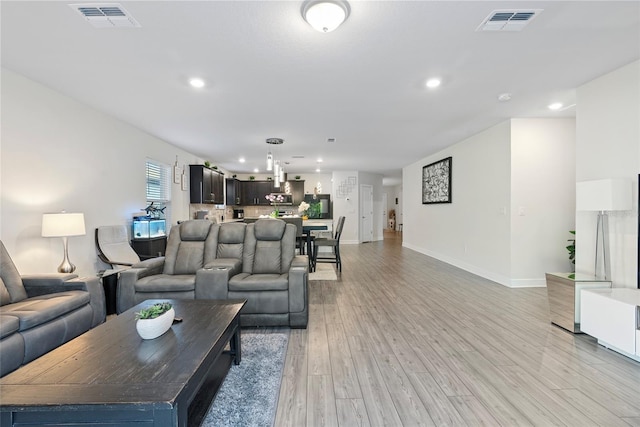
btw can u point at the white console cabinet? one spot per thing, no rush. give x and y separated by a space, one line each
613 317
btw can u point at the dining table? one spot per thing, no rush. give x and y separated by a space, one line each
307 227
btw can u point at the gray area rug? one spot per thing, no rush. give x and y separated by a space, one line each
249 395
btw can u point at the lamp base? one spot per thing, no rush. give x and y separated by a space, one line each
66 266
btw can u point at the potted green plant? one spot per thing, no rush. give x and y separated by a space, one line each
155 320
572 252
297 177
251 178
207 163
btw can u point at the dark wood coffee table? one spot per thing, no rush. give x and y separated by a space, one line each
110 376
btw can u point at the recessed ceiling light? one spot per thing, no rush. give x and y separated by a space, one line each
433 83
241 160
319 159
555 106
256 170
196 82
318 170
504 97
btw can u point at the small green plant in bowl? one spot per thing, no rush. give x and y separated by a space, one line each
156 310
207 163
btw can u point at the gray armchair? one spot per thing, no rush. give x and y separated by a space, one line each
274 281
175 275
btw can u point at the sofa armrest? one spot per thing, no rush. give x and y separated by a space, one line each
125 295
153 263
298 288
42 284
212 281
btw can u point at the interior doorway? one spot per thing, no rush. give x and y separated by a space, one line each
366 213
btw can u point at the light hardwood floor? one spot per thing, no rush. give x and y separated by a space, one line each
404 340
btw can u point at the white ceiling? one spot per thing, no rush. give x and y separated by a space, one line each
269 74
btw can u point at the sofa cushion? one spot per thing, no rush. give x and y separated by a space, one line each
10 276
8 325
190 258
166 282
231 240
43 308
195 230
244 282
269 229
268 257
5 298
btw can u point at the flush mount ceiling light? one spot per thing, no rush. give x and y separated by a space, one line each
555 106
325 15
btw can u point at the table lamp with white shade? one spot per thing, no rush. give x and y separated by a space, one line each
602 196
63 224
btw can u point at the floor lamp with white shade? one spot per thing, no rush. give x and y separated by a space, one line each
602 196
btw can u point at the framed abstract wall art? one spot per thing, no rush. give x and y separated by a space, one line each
436 182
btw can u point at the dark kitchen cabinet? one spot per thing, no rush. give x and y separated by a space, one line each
233 192
253 192
206 185
296 188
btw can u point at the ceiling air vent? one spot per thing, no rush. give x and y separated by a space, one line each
508 20
106 15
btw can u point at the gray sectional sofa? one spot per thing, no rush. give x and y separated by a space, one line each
41 312
256 262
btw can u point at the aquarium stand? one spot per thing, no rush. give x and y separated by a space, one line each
150 248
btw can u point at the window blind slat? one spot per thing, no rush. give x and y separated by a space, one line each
158 182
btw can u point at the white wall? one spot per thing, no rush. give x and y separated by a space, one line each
347 205
542 197
608 146
513 200
59 154
473 231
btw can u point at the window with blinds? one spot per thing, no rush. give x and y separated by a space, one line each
159 188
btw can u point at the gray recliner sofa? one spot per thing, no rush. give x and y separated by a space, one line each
256 262
273 279
41 312
172 276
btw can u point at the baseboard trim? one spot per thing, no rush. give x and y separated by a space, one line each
489 275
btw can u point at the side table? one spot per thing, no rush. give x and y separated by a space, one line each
564 295
110 284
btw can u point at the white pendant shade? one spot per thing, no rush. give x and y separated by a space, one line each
326 16
269 161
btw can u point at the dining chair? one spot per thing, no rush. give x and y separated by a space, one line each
333 243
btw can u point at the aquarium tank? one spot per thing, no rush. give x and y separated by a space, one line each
147 228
